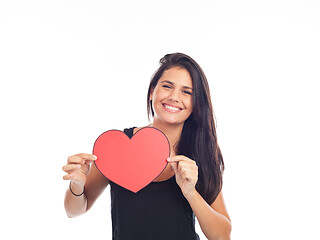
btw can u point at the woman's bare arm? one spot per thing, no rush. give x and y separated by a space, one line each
83 179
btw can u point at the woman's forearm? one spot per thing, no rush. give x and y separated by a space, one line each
75 205
214 225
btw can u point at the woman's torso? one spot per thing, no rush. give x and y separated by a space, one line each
158 211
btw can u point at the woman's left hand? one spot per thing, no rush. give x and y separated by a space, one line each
186 171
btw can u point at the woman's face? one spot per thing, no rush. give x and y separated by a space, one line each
172 96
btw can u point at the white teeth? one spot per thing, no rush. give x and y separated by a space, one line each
172 108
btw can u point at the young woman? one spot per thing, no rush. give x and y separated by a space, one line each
180 105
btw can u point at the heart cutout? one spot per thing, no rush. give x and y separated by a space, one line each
132 163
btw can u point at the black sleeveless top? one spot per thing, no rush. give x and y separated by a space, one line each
157 212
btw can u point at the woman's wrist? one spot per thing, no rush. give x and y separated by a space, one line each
191 194
77 189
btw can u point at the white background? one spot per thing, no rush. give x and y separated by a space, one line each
71 70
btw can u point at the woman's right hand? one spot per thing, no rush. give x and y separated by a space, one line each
78 167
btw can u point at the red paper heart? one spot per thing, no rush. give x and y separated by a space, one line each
132 163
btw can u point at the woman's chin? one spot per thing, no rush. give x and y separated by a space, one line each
171 122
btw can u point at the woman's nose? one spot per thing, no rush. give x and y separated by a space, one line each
174 95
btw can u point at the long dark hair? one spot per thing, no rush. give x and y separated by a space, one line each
198 139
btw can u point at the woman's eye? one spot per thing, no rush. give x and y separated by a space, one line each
166 86
187 92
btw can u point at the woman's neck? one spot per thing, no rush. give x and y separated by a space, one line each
173 133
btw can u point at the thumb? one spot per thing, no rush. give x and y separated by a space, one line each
174 166
88 162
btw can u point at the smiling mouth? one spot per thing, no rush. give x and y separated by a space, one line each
171 108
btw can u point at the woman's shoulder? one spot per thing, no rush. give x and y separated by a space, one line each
132 130
129 129
135 129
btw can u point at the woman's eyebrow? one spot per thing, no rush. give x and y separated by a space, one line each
188 87
167 81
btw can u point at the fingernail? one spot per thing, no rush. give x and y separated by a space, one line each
169 159
95 157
